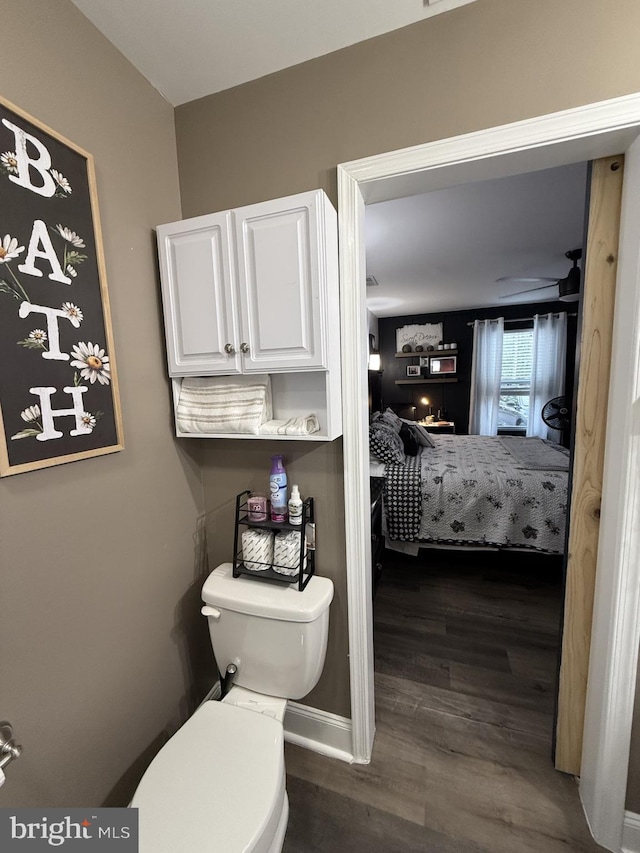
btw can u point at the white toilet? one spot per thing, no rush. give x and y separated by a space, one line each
218 786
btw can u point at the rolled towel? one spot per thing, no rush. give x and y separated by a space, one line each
286 552
224 404
303 425
257 549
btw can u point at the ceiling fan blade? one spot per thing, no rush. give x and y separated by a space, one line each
530 290
525 278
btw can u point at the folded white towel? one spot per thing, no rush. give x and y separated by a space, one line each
224 404
304 425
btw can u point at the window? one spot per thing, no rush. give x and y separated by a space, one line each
515 381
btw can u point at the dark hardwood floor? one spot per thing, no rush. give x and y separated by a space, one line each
466 654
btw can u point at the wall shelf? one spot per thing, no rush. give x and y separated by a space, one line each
422 381
434 353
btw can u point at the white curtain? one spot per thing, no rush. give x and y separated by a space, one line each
485 376
548 369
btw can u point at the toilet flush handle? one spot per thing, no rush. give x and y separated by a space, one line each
213 612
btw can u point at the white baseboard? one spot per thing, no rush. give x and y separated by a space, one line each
319 731
631 833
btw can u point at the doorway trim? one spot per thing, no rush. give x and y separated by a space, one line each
584 133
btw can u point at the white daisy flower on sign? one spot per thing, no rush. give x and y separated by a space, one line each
9 249
38 336
88 420
71 271
9 161
73 313
92 361
32 413
70 236
61 181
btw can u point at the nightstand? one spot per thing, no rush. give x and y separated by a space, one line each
441 427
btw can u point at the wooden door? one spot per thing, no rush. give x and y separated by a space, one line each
595 341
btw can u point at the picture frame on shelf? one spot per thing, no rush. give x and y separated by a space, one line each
413 370
443 365
424 361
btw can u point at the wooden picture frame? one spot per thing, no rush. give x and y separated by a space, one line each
418 334
443 364
59 399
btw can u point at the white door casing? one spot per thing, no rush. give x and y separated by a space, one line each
585 133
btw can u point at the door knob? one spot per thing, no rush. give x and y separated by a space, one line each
244 347
229 349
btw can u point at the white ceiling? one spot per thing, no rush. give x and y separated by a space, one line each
191 48
445 250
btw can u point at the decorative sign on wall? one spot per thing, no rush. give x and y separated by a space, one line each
58 389
425 335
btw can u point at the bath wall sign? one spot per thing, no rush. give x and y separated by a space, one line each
58 388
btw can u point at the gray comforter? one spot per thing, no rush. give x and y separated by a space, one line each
476 491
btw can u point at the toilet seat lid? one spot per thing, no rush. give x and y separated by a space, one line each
218 784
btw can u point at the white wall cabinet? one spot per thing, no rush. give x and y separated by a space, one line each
255 290
198 294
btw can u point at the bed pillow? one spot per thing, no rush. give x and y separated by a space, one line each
389 417
385 443
409 441
422 436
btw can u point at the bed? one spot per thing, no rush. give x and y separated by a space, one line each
478 491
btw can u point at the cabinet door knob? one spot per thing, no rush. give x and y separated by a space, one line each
228 348
244 347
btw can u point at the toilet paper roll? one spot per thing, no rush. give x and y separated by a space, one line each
286 552
257 549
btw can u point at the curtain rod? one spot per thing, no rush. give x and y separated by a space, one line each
518 319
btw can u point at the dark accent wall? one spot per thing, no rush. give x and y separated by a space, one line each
454 397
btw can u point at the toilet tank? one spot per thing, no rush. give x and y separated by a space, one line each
275 634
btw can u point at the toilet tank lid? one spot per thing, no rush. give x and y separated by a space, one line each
270 600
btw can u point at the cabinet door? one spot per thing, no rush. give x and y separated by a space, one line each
196 271
282 266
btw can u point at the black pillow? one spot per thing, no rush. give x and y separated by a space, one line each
409 441
385 443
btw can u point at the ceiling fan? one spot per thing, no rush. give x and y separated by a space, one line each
568 288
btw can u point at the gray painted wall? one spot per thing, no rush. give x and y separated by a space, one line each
102 649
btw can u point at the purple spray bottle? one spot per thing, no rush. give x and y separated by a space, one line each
278 489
